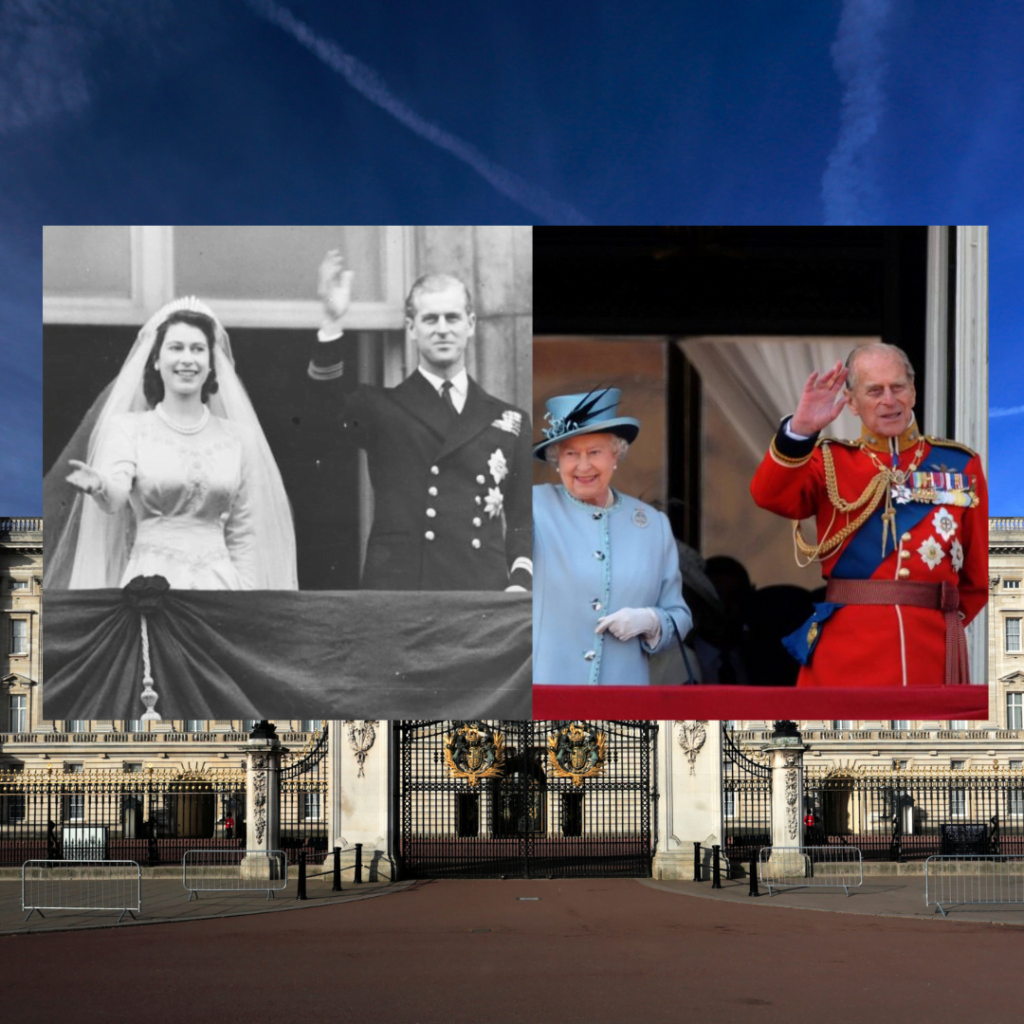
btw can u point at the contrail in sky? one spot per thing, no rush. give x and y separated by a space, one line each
366 81
847 187
1014 410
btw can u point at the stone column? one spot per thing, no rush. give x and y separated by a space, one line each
690 784
361 781
786 756
263 752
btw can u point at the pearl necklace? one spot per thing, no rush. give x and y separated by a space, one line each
181 428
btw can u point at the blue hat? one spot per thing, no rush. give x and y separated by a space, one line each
592 413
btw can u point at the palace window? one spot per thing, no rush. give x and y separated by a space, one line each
134 725
194 725
311 807
310 725
19 584
18 713
1013 636
958 725
248 724
1015 711
1011 584
77 725
901 724
19 636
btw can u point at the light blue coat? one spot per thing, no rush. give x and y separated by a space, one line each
589 562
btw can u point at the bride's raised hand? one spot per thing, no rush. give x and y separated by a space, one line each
84 477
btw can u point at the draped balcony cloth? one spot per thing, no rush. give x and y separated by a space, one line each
290 654
767 703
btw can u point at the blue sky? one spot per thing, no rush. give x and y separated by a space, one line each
246 111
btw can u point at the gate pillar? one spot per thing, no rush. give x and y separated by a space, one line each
263 752
690 808
361 787
786 756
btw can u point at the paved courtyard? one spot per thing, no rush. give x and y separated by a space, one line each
517 951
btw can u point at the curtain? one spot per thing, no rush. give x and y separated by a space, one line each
290 654
758 381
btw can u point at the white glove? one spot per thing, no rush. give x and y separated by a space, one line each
627 623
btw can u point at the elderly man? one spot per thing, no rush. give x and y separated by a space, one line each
449 463
902 529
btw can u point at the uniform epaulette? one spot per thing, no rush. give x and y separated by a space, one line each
945 442
836 440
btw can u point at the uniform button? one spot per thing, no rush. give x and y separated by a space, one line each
432 491
429 535
478 500
596 605
904 554
477 521
431 513
904 573
596 515
599 555
476 542
481 479
906 537
589 655
434 470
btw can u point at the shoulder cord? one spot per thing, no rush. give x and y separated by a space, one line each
870 498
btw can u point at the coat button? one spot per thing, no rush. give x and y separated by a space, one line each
596 605
477 521
599 555
904 573
429 535
481 479
434 470
596 515
478 500
431 513
589 655
432 491
905 537
476 542
904 554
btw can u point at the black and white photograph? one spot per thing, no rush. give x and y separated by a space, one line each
327 422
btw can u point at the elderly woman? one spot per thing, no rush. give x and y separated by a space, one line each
607 587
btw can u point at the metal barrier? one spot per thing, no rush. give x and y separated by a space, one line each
81 885
810 866
973 878
234 871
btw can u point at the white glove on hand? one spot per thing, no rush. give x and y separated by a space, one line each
627 623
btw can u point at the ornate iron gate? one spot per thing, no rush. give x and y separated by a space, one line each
304 803
541 799
747 802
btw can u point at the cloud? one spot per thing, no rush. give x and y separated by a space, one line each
368 83
1013 410
46 48
848 186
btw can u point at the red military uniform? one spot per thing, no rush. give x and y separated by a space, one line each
932 527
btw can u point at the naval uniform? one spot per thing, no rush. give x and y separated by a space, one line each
902 584
591 562
451 491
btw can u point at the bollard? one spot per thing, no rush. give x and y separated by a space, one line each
716 871
696 863
752 871
359 863
301 894
337 870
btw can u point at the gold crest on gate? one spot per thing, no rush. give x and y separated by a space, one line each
577 752
474 751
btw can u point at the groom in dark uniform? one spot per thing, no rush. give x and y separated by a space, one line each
449 463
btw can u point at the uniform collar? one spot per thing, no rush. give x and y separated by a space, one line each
460 382
883 445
